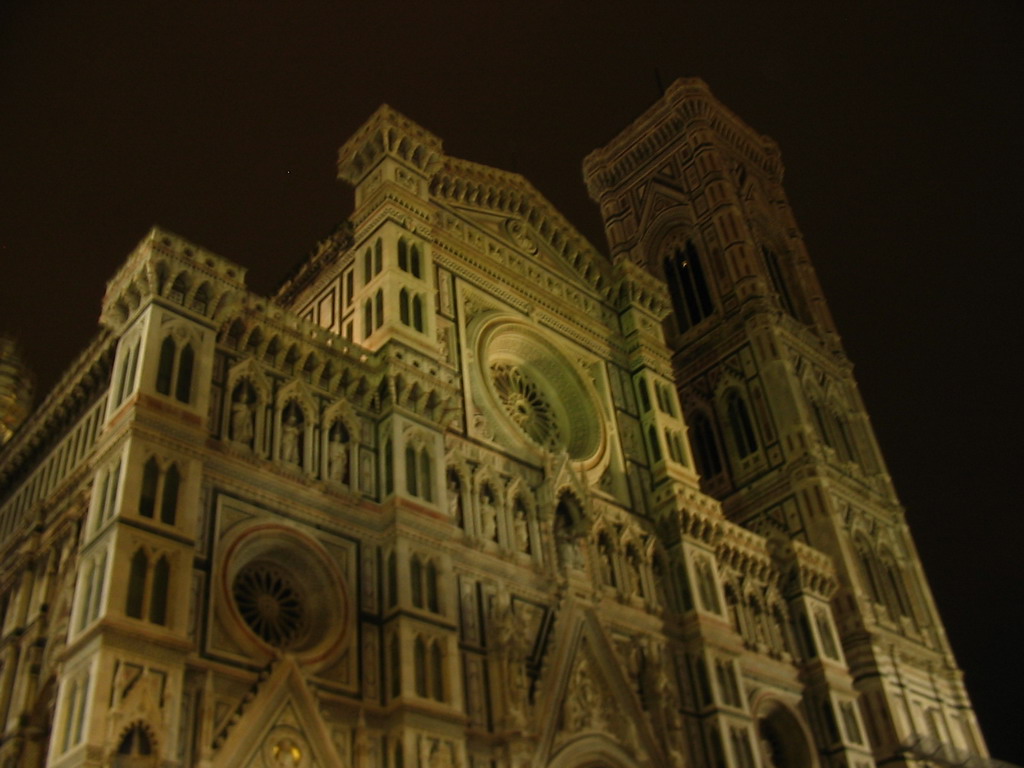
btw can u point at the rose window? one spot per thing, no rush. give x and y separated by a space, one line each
525 404
270 604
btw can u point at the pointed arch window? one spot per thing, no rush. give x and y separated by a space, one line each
403 255
148 588
162 486
705 447
778 280
740 423
420 662
175 368
688 286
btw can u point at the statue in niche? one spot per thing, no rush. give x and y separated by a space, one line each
337 453
242 415
291 430
455 498
488 514
521 526
568 549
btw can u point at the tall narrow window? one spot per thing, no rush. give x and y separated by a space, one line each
396 667
437 671
367 319
411 472
378 306
169 497
778 280
739 421
652 437
403 306
165 368
426 475
137 585
158 592
150 480
392 580
183 390
378 256
688 286
705 448
416 581
417 312
403 255
431 579
367 266
414 261
420 662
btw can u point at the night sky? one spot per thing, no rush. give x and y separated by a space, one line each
895 121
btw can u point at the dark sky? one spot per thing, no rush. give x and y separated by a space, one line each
895 121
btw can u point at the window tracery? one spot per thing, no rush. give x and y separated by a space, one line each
526 404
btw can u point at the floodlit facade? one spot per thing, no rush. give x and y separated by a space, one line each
469 492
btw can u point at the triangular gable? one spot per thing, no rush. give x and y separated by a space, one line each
658 197
508 207
282 717
584 693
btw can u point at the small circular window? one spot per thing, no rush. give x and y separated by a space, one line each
270 604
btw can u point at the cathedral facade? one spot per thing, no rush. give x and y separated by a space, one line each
469 492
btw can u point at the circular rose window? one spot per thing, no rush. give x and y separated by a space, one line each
283 591
270 604
538 393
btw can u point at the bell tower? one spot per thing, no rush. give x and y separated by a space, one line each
777 427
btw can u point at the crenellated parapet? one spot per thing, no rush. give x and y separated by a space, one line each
805 569
388 134
687 114
165 266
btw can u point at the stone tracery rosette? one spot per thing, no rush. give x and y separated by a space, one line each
281 592
535 394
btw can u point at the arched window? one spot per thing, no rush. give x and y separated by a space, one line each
431 584
705 447
645 395
169 497
403 255
416 579
652 439
426 475
437 671
367 266
177 368
389 467
165 368
420 662
403 306
392 585
378 256
137 585
414 262
378 307
411 472
150 480
158 594
739 421
183 390
396 667
688 286
417 312
367 319
778 280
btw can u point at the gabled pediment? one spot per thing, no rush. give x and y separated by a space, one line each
281 723
507 207
585 693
